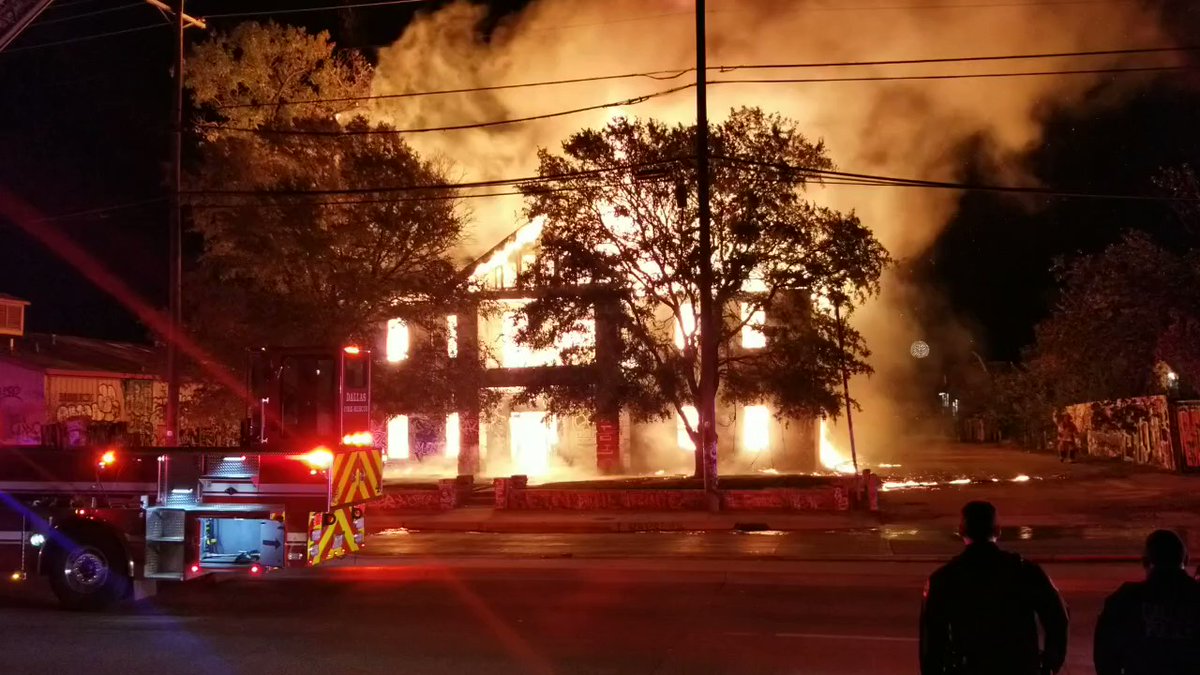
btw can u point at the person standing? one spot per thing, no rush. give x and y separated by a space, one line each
1152 626
1067 438
981 611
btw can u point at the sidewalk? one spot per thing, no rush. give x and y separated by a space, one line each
487 519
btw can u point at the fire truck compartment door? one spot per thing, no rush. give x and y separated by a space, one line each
274 544
335 534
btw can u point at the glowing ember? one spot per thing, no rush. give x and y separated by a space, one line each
1021 479
889 466
772 472
960 481
831 457
660 472
890 485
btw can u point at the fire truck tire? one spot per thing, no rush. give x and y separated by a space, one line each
89 574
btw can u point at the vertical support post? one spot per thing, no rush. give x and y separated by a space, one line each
708 325
175 254
837 317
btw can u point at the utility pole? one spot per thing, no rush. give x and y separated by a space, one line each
841 332
708 335
175 232
175 246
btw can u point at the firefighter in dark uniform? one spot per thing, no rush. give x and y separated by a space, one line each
981 610
1152 627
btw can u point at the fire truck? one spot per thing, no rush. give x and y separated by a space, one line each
98 521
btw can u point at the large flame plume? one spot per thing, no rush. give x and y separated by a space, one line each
919 129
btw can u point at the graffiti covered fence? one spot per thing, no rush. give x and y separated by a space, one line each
1133 429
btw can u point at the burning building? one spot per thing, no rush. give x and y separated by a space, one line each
517 436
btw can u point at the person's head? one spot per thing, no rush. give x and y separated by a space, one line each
1164 551
979 522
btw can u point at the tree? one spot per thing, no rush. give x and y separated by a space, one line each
1102 340
301 246
619 219
248 76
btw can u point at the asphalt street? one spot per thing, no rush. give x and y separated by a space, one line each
661 616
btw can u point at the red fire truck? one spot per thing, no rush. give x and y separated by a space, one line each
97 520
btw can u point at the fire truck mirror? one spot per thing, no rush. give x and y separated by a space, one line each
327 519
356 513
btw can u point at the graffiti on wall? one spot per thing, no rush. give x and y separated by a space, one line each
101 405
1187 425
145 406
22 406
1133 429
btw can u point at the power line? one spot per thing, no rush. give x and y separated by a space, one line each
100 209
500 182
64 5
395 200
875 180
954 76
327 8
653 74
961 59
642 99
977 5
673 74
83 38
96 12
454 127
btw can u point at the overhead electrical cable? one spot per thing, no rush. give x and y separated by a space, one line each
676 73
82 38
451 127
326 8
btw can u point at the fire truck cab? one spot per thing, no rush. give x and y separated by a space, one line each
95 520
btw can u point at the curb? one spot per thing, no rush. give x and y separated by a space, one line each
375 525
757 558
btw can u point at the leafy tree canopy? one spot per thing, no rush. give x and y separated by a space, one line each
619 217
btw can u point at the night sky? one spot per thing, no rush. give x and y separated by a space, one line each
84 125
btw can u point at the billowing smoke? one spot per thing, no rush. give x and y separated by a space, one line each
916 129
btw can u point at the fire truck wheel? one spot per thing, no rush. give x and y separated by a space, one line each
88 575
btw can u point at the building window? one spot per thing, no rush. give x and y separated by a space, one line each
685 325
453 435
397 437
753 321
682 437
11 319
452 336
533 436
397 340
756 428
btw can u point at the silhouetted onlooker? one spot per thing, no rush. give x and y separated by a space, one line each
1152 626
1068 441
981 610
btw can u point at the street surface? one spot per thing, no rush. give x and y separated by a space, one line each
677 616
835 594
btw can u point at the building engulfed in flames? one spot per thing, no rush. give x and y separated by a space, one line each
524 439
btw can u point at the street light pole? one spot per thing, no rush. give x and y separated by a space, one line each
175 254
708 336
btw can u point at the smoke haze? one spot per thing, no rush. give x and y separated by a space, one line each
918 129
